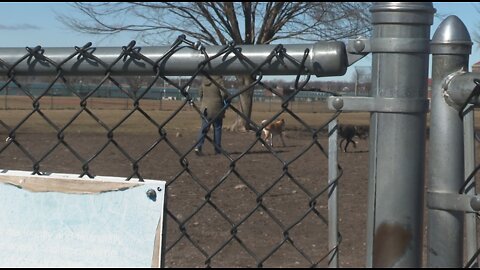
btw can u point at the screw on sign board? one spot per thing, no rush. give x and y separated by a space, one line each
61 220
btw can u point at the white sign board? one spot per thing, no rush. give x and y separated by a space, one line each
61 220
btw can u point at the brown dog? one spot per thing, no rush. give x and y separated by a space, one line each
274 128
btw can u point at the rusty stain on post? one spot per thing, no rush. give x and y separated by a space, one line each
389 244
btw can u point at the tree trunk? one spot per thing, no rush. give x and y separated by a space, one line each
246 102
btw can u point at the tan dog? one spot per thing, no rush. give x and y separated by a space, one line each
274 128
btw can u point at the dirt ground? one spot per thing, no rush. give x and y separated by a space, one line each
245 208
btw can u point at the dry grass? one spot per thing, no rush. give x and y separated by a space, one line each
111 112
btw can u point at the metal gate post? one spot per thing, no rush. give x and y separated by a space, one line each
400 51
450 48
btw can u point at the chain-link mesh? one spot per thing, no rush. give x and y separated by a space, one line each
469 183
252 205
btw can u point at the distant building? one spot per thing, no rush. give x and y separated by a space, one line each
287 92
476 67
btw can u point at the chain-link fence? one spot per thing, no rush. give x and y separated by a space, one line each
468 188
252 205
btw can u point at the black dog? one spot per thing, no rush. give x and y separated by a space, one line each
347 132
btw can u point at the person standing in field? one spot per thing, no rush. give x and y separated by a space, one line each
213 100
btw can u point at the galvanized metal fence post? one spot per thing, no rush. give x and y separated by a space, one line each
400 51
332 193
450 48
470 218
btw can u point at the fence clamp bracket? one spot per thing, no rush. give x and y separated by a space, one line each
378 104
453 201
357 49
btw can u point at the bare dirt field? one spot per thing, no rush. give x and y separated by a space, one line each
264 195
247 207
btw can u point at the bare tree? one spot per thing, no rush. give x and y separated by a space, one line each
218 23
135 83
476 33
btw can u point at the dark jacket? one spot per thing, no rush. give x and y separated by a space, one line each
212 97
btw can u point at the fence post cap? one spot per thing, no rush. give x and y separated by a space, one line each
451 37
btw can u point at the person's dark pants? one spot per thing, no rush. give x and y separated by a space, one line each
217 134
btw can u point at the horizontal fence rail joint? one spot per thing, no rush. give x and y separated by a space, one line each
459 88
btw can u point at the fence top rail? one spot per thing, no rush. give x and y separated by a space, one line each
324 58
